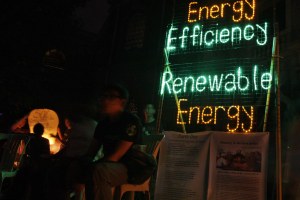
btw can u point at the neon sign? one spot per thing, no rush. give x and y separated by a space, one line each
209 115
230 82
204 29
200 36
241 10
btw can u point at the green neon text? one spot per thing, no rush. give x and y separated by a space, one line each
201 36
230 82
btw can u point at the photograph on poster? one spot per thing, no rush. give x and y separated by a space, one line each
238 160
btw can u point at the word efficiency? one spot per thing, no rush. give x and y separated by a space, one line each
230 82
240 10
209 115
200 36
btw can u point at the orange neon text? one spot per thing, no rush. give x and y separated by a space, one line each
240 117
239 10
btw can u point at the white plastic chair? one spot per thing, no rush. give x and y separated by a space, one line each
153 143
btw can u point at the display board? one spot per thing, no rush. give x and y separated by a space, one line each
182 166
218 73
238 166
212 165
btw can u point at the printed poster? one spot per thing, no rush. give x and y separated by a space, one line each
182 166
238 166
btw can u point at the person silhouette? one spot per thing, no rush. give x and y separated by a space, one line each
149 125
31 176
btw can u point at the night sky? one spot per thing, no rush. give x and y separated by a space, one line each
30 29
93 15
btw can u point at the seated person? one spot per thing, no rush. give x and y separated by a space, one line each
118 131
64 167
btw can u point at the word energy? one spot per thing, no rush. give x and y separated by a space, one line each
209 115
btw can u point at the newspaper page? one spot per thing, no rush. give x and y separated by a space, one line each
181 167
238 166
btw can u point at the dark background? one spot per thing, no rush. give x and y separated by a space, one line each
58 53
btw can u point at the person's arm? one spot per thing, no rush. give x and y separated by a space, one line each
17 127
121 149
59 134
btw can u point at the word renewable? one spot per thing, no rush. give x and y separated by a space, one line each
240 10
229 82
200 36
209 115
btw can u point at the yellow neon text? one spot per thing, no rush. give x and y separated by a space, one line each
239 117
244 9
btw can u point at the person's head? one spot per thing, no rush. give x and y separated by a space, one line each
149 111
113 99
38 129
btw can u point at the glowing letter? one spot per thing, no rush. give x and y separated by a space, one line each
191 12
233 87
222 8
236 115
166 81
180 112
212 40
252 6
177 83
254 77
239 10
196 31
201 81
216 109
206 114
233 34
186 79
200 12
247 33
239 80
214 9
201 37
170 38
214 83
224 35
266 80
217 35
250 116
265 37
183 37
198 114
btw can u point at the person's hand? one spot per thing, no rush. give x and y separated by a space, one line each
52 135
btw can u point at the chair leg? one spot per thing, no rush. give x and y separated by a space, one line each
1 181
147 195
80 192
131 196
116 193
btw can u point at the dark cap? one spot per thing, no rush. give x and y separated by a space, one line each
121 90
